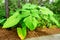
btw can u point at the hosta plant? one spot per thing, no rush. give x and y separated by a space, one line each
30 16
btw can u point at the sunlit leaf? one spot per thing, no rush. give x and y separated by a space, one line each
21 32
31 22
12 21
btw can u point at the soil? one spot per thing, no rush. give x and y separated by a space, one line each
11 34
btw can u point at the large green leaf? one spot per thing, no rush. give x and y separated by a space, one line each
13 20
21 32
25 13
31 22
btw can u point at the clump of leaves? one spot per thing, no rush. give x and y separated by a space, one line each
48 16
29 16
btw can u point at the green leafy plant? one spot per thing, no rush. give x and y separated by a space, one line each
31 22
22 32
30 16
48 16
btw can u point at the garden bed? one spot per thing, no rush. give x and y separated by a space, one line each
11 34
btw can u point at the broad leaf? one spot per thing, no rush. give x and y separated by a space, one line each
22 32
31 22
13 20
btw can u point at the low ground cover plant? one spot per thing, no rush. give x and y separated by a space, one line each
29 17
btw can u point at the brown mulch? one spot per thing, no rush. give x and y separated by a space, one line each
6 34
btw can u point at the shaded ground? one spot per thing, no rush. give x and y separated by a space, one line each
6 34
